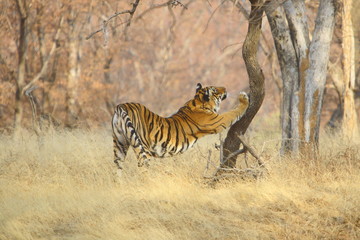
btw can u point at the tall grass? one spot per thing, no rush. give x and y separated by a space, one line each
64 185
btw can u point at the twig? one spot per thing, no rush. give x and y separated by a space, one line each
170 3
175 3
208 162
152 8
234 154
221 149
172 32
209 3
251 151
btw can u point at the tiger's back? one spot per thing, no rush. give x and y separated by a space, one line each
161 137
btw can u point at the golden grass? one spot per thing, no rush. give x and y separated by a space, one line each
64 186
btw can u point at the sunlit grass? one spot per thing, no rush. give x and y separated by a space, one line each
64 185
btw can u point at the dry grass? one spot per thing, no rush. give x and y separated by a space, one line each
64 186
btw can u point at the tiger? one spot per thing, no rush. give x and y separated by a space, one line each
151 135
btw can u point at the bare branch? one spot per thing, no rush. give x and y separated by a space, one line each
173 21
171 3
175 3
241 8
156 6
131 17
212 14
234 154
130 12
251 151
46 63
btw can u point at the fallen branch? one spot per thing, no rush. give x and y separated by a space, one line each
251 151
231 173
249 173
246 148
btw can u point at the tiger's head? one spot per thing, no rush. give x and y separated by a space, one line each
210 97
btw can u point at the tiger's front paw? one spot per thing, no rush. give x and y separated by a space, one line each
143 162
243 98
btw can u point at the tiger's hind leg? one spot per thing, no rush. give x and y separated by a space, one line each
141 153
125 135
120 149
121 144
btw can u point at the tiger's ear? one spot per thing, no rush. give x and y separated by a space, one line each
206 96
198 87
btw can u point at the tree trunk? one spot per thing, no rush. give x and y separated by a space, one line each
256 82
349 122
298 26
314 71
22 49
72 105
303 89
289 70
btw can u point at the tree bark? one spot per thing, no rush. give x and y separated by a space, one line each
314 71
289 70
22 49
303 89
298 26
349 123
72 107
256 82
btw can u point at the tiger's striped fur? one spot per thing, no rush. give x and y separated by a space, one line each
151 135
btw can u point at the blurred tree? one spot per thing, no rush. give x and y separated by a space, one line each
30 72
74 68
349 121
303 64
21 48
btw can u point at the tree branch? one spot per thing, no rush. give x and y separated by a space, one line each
246 148
212 14
171 3
105 22
46 63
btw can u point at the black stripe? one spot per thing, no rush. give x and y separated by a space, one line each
176 133
169 131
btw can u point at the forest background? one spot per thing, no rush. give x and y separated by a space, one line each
157 60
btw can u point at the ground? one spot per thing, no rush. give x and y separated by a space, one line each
64 185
